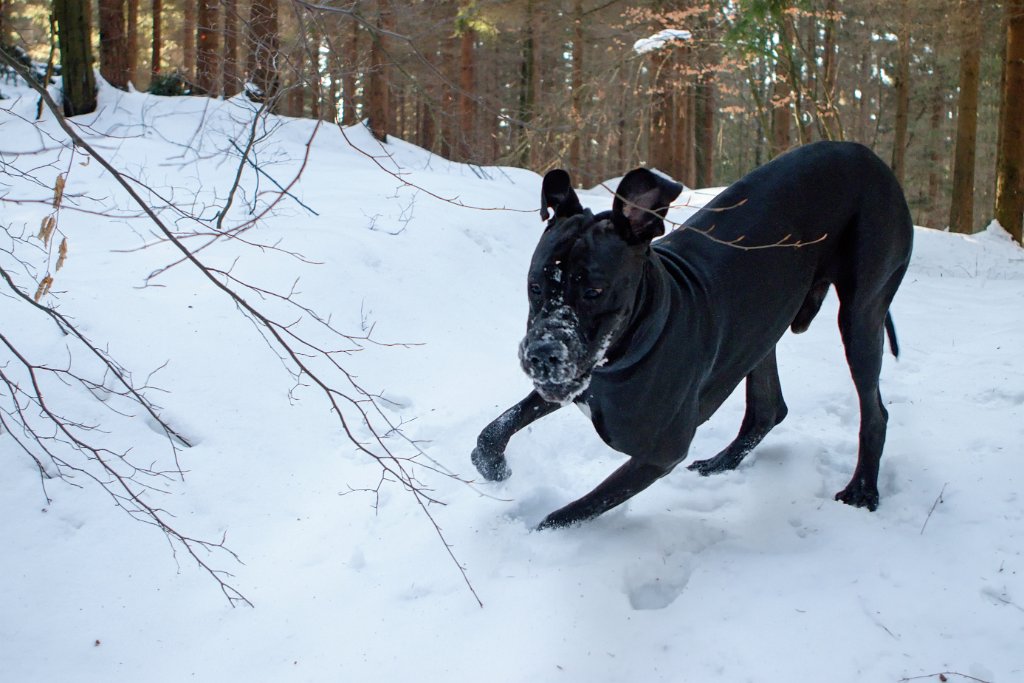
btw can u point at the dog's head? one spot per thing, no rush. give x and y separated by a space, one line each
584 277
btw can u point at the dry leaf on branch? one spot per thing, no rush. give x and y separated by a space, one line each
58 191
46 229
44 288
62 253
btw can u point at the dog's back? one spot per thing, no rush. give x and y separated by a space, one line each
764 252
829 212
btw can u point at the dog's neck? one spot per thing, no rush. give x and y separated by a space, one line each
647 320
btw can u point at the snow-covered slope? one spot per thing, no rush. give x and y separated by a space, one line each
756 575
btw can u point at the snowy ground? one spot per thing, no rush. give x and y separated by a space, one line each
756 575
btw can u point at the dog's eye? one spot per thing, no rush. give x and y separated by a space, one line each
593 293
535 288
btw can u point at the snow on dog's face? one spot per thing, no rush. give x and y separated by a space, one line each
584 276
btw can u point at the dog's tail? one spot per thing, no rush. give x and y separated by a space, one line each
890 330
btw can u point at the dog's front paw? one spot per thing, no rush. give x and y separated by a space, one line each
555 521
859 494
565 517
492 466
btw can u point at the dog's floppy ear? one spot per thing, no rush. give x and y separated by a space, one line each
641 203
556 193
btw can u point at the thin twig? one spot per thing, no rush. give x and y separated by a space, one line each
941 676
938 499
785 242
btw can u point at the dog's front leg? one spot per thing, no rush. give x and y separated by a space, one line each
624 483
489 454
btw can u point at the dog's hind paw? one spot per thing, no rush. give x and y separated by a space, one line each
859 494
491 466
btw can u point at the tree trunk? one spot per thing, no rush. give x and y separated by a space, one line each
1004 46
789 47
705 124
113 44
349 106
262 36
576 120
425 137
294 95
399 118
961 212
6 28
863 110
899 145
938 144
132 43
678 125
534 144
467 94
188 39
830 65
622 116
688 176
158 7
449 67
1009 209
496 85
74 29
527 93
316 90
230 82
377 109
207 48
660 152
781 139
809 47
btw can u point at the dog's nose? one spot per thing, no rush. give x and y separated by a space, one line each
546 356
547 353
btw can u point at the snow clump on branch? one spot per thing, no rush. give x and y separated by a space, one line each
660 40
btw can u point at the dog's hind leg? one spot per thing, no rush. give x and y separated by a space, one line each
765 409
861 327
489 454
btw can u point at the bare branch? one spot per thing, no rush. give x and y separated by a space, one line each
352 407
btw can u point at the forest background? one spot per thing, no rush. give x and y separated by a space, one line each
546 84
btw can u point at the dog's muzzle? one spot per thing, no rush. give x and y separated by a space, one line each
553 355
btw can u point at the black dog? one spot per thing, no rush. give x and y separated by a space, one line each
650 339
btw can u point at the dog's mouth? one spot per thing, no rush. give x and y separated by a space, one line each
555 357
563 394
557 373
